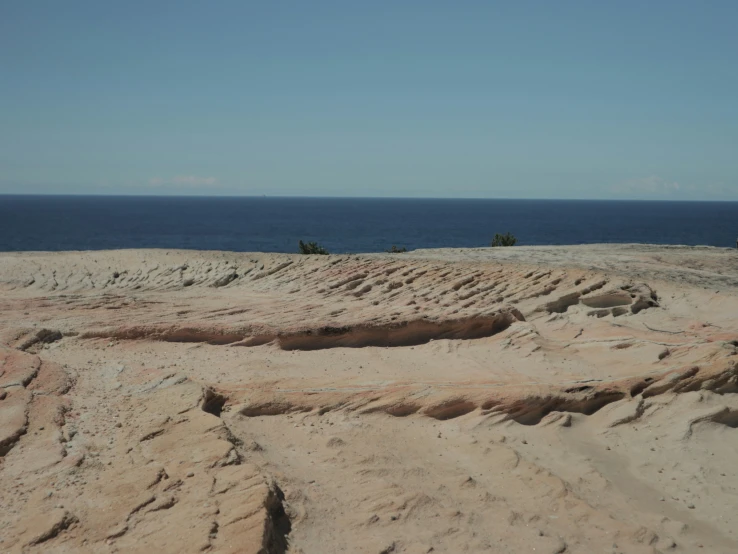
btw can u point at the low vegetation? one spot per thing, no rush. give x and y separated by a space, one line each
312 248
508 239
395 250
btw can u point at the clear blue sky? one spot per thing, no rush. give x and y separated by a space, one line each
554 99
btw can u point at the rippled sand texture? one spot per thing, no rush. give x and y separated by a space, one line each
530 399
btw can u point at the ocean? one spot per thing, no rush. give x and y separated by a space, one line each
349 225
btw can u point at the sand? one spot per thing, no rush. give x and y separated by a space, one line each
572 399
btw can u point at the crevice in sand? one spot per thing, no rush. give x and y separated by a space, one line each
7 444
271 409
212 402
395 409
560 305
722 415
404 333
409 333
727 417
167 334
278 525
530 411
450 409
42 336
608 300
64 523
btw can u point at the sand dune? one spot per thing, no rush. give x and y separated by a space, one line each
532 399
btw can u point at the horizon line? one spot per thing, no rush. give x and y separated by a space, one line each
318 197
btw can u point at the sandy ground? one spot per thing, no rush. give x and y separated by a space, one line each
528 399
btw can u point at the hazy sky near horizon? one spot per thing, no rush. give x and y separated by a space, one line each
564 99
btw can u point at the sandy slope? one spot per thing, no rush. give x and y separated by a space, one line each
534 399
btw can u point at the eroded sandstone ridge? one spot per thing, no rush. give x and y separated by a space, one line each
547 399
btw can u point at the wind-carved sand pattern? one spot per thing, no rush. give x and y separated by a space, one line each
543 399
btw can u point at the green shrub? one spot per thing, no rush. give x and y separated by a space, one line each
312 248
507 239
395 250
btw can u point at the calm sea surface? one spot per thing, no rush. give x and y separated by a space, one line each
349 225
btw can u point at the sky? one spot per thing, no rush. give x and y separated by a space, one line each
469 99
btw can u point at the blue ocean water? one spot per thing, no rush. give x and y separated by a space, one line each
349 225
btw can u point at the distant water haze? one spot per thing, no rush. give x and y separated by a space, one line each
345 225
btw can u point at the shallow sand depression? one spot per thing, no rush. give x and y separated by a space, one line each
529 399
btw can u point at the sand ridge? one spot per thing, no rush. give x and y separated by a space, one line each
562 399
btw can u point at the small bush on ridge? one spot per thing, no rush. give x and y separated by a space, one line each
508 239
312 248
